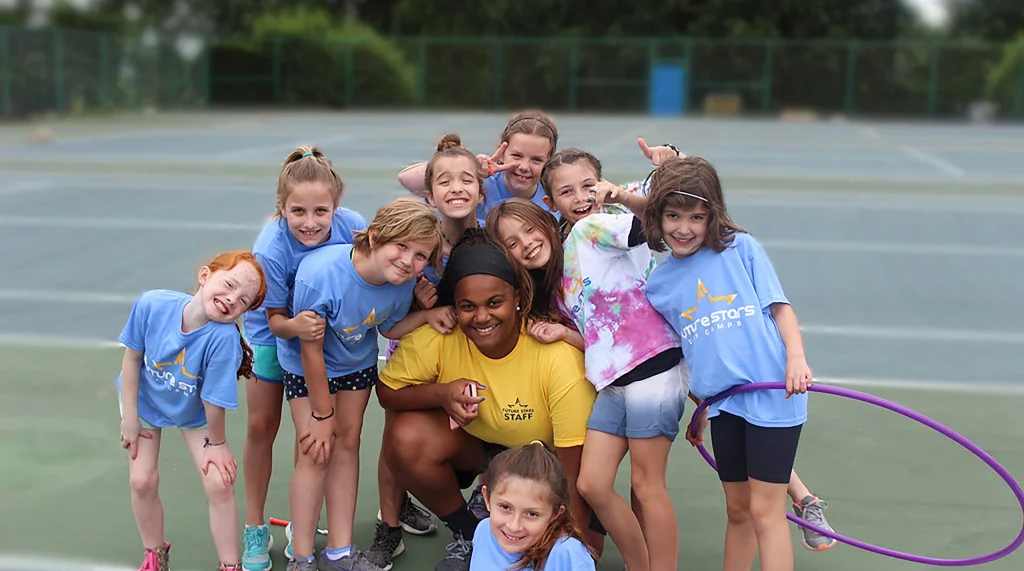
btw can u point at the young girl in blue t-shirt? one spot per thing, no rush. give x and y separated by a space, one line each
530 527
307 216
358 289
720 292
182 360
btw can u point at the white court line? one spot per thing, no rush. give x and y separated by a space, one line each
125 224
930 159
892 248
981 387
923 203
23 187
38 563
917 334
55 342
67 296
284 148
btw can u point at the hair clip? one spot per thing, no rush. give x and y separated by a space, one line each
306 154
537 442
690 195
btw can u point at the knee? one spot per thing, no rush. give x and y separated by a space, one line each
144 483
592 488
644 490
737 511
767 511
348 437
263 426
406 441
214 488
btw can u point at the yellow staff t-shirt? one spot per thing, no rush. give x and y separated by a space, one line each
537 392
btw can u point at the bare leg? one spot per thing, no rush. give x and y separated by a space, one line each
223 507
602 454
144 477
264 420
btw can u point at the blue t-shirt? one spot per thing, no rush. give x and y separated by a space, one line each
568 554
495 192
181 370
279 253
719 303
328 284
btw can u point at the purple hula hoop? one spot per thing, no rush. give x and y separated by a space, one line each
911 414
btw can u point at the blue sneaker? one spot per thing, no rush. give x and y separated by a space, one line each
288 553
257 541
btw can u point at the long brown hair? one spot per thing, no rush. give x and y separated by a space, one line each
549 283
686 183
225 262
538 463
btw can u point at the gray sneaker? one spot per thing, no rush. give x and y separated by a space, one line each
812 510
412 518
459 553
354 561
295 565
387 544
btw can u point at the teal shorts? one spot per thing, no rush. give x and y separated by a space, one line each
265 364
142 422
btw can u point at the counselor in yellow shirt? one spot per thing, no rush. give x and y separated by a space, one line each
536 392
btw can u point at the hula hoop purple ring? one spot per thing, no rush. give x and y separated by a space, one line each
911 414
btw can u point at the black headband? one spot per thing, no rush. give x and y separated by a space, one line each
472 260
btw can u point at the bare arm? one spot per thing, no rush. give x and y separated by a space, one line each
574 338
798 375
215 423
315 372
410 322
789 329
280 323
413 178
415 397
131 365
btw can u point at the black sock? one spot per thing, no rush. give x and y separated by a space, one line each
461 522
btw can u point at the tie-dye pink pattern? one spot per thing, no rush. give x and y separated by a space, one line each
607 301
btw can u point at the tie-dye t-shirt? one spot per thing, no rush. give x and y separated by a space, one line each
604 282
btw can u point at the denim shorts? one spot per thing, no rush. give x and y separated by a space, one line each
643 409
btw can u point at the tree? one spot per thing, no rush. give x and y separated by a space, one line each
992 20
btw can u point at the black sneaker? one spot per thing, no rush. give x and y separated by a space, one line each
387 544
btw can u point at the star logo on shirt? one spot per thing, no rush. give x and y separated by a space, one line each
179 360
702 292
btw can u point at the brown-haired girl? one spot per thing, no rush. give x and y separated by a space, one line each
306 216
723 298
182 360
528 141
530 527
529 234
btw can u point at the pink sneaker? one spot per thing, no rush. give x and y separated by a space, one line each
157 559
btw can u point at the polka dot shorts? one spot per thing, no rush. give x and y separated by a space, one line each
295 386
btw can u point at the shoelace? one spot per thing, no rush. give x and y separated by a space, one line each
814 513
460 550
254 542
